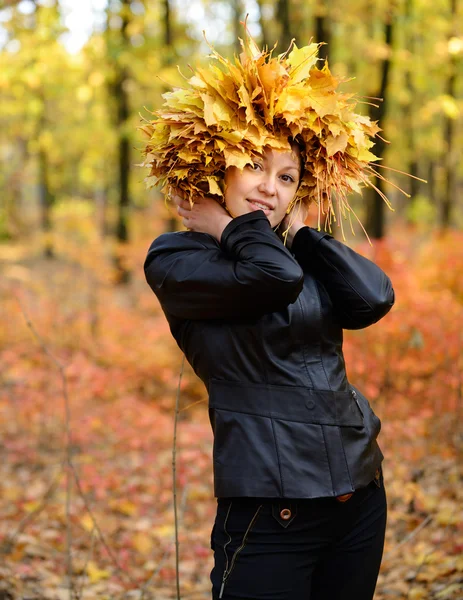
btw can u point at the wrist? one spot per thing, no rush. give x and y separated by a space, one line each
222 222
295 227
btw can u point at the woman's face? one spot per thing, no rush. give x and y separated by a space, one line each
269 185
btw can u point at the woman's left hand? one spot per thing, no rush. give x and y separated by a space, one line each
205 216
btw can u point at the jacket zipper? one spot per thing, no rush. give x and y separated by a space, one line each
354 396
227 571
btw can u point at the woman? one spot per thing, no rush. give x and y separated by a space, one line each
257 302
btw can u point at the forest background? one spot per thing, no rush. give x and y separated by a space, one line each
89 373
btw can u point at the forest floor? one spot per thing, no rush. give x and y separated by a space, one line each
87 388
107 514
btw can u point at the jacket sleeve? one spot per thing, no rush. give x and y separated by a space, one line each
360 291
248 274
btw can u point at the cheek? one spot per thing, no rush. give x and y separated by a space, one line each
288 200
237 186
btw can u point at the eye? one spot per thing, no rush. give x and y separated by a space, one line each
255 166
288 178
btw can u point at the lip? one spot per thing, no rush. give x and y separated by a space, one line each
262 202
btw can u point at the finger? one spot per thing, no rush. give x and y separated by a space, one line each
177 199
184 205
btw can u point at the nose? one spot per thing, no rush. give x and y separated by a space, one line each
268 185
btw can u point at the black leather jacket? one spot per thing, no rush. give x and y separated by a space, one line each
262 325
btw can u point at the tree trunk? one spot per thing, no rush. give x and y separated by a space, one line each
432 182
450 161
46 202
322 29
287 34
170 222
238 31
409 111
122 115
101 202
122 103
375 206
263 25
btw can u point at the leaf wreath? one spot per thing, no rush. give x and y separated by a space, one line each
233 110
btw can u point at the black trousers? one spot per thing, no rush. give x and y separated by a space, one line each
322 549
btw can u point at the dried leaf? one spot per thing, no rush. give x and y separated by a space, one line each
95 574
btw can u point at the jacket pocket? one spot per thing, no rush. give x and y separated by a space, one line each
363 454
245 456
303 459
371 421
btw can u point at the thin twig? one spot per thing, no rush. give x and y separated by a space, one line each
411 535
425 558
167 551
7 545
174 478
79 591
68 447
97 527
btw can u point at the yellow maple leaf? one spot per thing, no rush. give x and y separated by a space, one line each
324 81
361 154
234 158
126 507
143 543
321 102
214 186
87 522
232 136
302 60
31 506
95 574
164 531
336 143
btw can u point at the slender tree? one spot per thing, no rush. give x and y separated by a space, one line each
375 208
116 45
46 196
169 56
409 113
237 16
286 28
122 103
263 25
323 29
450 161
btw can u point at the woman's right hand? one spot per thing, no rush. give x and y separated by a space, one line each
294 221
205 216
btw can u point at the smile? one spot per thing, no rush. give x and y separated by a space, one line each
260 205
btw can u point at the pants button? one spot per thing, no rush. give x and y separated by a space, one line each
285 514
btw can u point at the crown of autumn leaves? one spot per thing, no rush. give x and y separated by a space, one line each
232 110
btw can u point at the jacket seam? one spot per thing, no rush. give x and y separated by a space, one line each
233 383
345 458
304 347
328 459
319 345
335 268
272 417
282 484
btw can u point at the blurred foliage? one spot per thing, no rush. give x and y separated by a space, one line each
63 105
122 370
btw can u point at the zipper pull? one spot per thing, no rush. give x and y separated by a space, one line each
221 588
354 396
